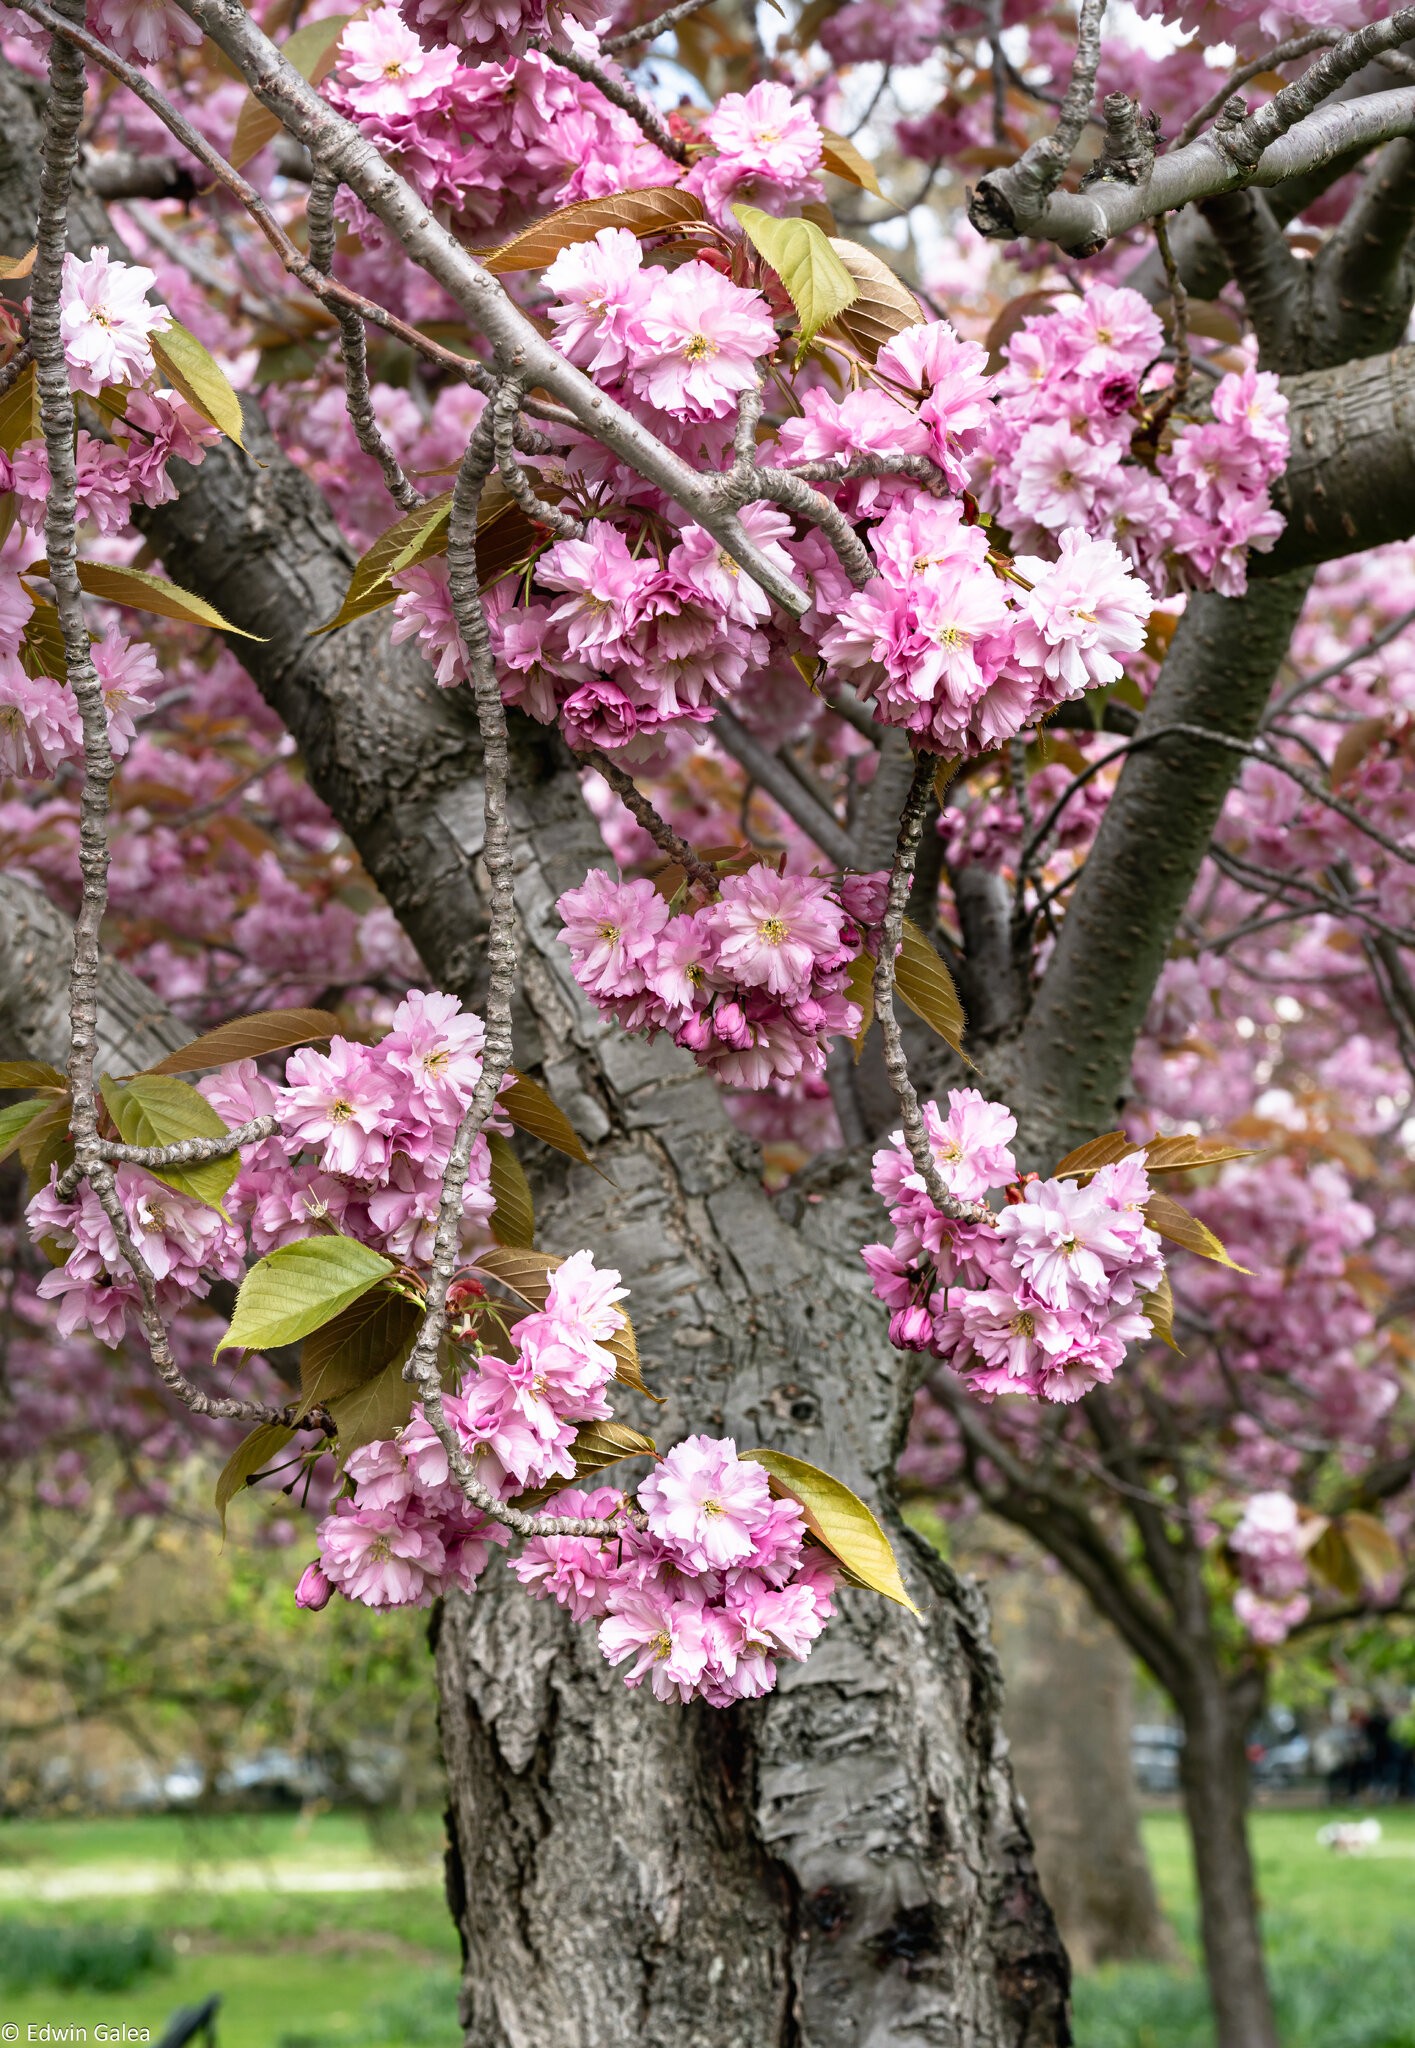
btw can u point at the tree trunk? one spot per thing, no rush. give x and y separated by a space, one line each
845 1862
1214 1779
1067 1711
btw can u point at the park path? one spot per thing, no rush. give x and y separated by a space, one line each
53 1886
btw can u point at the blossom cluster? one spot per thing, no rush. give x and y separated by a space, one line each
1270 1545
407 1532
704 1590
484 143
365 1134
705 1599
752 984
1041 1298
1061 449
106 325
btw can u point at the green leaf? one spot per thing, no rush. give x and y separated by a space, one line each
840 1520
19 411
925 985
252 1455
536 1113
840 157
817 282
1172 1220
651 211
154 1109
596 1445
144 593
416 537
16 1120
30 1074
190 368
1158 1305
373 1411
299 1288
1374 1551
312 51
45 1142
1183 1155
883 306
1332 1562
374 1332
504 535
1106 1150
154 594
42 647
248 1038
525 1272
513 1220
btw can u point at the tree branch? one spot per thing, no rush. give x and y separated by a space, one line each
1083 222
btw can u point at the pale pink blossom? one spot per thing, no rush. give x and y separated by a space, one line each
106 323
706 1503
698 341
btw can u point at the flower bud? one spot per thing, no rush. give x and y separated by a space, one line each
695 1032
314 1589
911 1329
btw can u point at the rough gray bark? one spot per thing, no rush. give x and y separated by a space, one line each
1350 480
36 947
844 1862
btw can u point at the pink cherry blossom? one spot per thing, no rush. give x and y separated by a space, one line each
106 323
706 1503
698 341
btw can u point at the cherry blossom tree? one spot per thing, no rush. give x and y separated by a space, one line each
638 634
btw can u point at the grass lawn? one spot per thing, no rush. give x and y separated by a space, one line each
376 1967
1340 1936
334 1968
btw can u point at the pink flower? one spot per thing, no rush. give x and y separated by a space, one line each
314 1590
340 1101
698 341
127 669
379 1557
578 1572
105 321
1269 1622
607 589
1110 328
601 288
1058 474
584 1296
706 1504
1066 1242
668 1634
765 130
611 928
772 929
387 71
16 610
953 375
437 1046
144 29
39 722
1081 611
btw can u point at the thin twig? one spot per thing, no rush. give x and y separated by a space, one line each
353 348
652 30
896 1061
620 94
637 804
